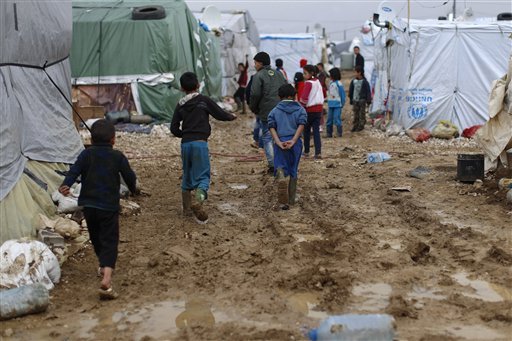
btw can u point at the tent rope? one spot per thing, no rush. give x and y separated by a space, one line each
64 96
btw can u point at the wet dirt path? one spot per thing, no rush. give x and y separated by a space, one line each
438 258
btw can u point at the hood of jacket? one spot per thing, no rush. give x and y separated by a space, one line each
185 100
289 107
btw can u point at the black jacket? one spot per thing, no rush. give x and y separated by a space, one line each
194 118
364 95
100 166
360 61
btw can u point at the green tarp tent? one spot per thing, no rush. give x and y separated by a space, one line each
109 47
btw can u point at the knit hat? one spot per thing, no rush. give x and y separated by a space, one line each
303 62
262 57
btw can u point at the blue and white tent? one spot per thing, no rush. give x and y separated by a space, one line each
439 70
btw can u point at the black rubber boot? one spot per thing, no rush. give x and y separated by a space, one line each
186 198
292 191
282 187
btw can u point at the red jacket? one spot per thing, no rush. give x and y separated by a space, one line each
304 97
242 80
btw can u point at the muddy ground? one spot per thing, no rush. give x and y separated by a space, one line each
438 258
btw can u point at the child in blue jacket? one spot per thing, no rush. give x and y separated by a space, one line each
335 101
286 123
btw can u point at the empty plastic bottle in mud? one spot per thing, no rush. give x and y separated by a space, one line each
378 157
353 327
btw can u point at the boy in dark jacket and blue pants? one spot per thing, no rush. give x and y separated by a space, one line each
360 95
193 112
99 167
286 123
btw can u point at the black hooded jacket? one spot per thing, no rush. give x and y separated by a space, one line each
193 114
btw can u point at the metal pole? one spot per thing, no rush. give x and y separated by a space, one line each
454 7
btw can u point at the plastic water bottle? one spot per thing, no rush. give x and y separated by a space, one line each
378 157
28 299
353 327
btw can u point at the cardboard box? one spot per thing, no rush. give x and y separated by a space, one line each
87 113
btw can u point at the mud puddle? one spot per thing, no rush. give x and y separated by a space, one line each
162 319
482 290
475 332
305 303
371 297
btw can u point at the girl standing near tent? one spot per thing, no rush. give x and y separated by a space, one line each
312 99
335 102
239 95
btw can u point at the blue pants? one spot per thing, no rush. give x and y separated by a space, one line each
288 159
334 117
313 122
196 166
256 133
268 145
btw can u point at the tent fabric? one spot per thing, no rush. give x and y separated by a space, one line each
104 31
495 137
291 48
19 210
439 70
36 120
240 37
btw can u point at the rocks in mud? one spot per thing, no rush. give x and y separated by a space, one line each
399 307
129 207
418 251
500 256
420 172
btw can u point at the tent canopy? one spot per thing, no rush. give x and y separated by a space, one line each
291 48
239 38
36 119
110 48
439 70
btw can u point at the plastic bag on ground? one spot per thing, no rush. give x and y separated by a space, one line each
393 129
27 262
445 130
67 204
418 134
471 131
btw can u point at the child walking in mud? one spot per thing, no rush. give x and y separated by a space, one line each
192 113
286 123
99 167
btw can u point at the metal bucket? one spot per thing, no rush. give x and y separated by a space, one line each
470 167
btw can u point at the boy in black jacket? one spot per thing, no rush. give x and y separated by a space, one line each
193 113
360 95
100 166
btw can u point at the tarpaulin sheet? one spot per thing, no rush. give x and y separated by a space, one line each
440 71
291 48
36 119
107 42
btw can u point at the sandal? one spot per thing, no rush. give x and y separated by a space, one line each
108 294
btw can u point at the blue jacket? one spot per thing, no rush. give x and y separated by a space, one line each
286 117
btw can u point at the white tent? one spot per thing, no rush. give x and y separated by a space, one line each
439 70
37 134
365 41
291 48
239 37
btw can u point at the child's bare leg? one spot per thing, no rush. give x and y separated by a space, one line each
106 282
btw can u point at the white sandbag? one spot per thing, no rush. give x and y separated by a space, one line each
27 262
